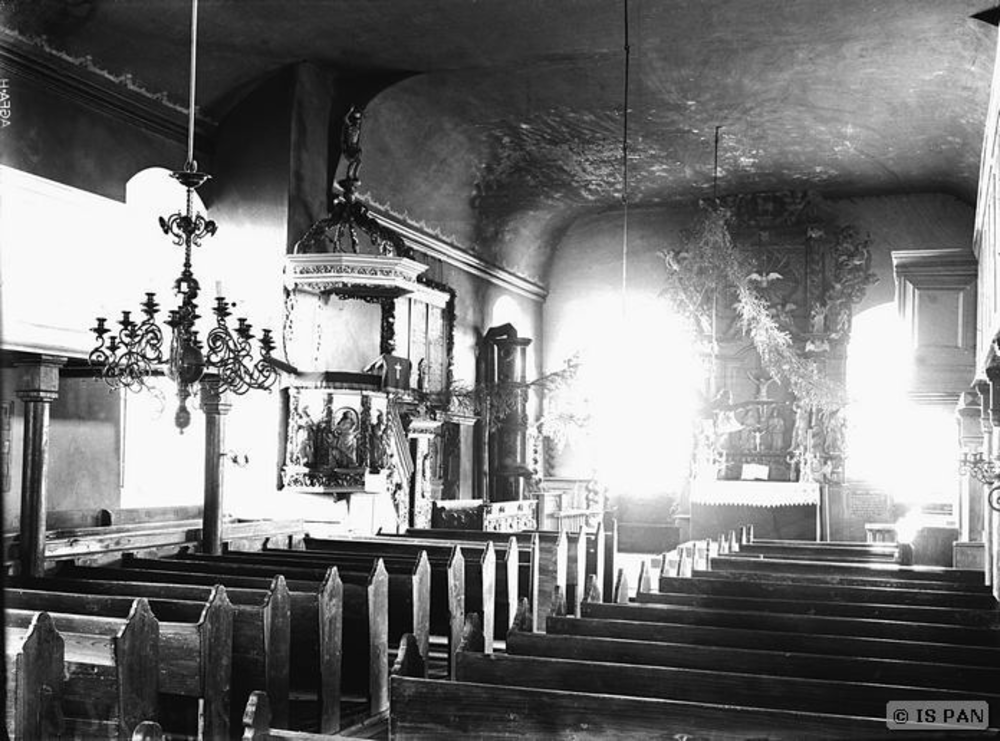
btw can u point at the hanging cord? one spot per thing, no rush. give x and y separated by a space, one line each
191 164
624 196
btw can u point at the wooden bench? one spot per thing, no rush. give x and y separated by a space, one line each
775 640
316 622
426 708
762 603
409 587
34 681
111 668
736 586
754 660
261 632
195 645
800 623
450 576
361 618
775 692
741 563
553 558
808 551
488 569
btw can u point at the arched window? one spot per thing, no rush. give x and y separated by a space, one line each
160 467
638 380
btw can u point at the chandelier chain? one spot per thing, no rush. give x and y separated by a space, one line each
190 165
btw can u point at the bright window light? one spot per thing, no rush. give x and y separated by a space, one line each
906 449
638 378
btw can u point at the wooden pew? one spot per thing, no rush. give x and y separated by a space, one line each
807 624
34 681
257 717
364 615
733 585
516 571
741 563
261 633
426 708
757 660
576 570
477 592
409 587
861 580
669 683
553 557
807 551
450 577
195 644
111 668
257 724
905 613
945 653
316 620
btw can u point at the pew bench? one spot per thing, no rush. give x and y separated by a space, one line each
261 632
764 691
427 708
735 585
874 611
35 658
459 581
553 559
111 668
797 623
753 660
339 647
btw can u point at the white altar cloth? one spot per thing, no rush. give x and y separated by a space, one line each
754 493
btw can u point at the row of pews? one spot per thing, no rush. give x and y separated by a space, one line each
492 635
187 640
735 638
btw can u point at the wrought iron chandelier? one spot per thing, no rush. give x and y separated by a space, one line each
986 471
134 352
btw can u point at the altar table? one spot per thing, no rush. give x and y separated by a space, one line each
787 510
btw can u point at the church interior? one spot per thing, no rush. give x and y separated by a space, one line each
577 369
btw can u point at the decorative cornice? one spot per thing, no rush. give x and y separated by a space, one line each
456 256
79 80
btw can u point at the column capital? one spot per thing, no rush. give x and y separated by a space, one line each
214 401
38 378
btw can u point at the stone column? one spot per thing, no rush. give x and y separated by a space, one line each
216 406
37 387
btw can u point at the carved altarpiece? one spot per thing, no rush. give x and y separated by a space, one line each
811 271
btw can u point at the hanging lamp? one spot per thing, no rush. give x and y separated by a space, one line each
129 356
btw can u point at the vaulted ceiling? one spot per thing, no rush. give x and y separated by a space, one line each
508 124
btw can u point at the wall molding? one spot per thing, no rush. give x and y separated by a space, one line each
462 259
79 81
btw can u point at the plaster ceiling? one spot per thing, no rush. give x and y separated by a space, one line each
510 126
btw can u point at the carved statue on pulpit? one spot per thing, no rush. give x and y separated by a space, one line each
303 448
378 445
344 439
